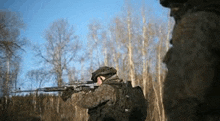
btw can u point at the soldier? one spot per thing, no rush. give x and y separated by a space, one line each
192 85
108 102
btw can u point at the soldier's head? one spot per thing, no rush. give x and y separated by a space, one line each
102 74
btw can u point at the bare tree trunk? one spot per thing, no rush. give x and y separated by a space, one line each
82 67
35 100
144 45
160 83
7 76
159 77
130 49
104 39
106 57
58 67
115 54
157 101
115 59
91 68
58 104
97 52
94 35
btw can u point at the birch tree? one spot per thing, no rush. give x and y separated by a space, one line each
61 48
38 75
144 53
105 48
94 44
117 35
129 45
11 45
161 50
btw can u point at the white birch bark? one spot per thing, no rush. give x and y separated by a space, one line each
144 61
160 82
130 49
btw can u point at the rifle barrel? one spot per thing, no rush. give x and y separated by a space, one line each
46 89
77 86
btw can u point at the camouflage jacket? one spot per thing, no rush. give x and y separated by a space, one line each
101 101
103 94
107 102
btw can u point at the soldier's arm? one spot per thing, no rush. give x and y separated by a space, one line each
102 94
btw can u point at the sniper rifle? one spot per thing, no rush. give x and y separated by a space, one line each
67 90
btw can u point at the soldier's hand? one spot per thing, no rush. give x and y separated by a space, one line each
66 94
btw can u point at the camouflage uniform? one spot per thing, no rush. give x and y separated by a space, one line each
192 85
103 103
100 100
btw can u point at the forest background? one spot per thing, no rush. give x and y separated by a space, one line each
133 38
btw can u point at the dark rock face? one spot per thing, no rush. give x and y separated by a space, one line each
192 85
166 3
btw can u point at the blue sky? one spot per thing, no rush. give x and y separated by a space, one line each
39 14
